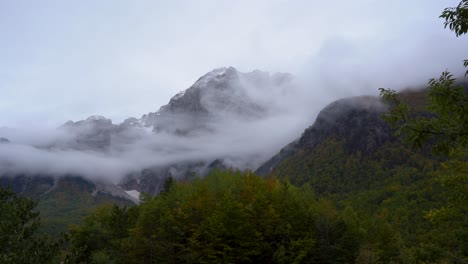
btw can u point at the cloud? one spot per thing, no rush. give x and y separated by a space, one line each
70 60
122 59
232 131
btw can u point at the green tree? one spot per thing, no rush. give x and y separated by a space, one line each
233 217
456 19
19 240
102 236
444 127
445 123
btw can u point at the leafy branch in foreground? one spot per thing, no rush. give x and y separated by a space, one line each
445 126
456 19
446 121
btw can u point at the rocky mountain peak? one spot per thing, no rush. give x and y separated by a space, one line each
219 93
93 133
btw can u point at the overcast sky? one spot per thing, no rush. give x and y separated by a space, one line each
62 60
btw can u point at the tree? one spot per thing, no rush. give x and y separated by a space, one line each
19 241
456 19
102 236
447 122
444 127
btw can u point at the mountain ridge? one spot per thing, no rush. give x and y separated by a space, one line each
198 110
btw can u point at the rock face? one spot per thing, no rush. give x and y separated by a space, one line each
94 133
356 119
219 93
31 186
198 112
4 140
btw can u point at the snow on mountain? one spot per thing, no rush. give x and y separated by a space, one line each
221 93
208 125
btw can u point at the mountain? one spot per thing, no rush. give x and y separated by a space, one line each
94 161
349 191
352 157
356 121
94 133
182 138
220 95
65 200
348 148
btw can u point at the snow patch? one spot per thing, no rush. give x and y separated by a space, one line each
134 194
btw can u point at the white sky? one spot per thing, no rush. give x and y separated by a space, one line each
62 60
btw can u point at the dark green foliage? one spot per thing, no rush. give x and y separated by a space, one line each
227 217
392 188
456 19
445 129
61 202
102 236
365 197
445 123
168 183
19 240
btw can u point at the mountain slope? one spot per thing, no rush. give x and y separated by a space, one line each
65 200
94 161
351 156
219 93
199 113
357 119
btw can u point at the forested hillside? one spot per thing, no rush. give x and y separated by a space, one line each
348 191
233 217
352 157
371 180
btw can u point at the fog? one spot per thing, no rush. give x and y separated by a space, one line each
242 137
120 60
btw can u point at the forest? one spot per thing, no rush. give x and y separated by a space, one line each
402 199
